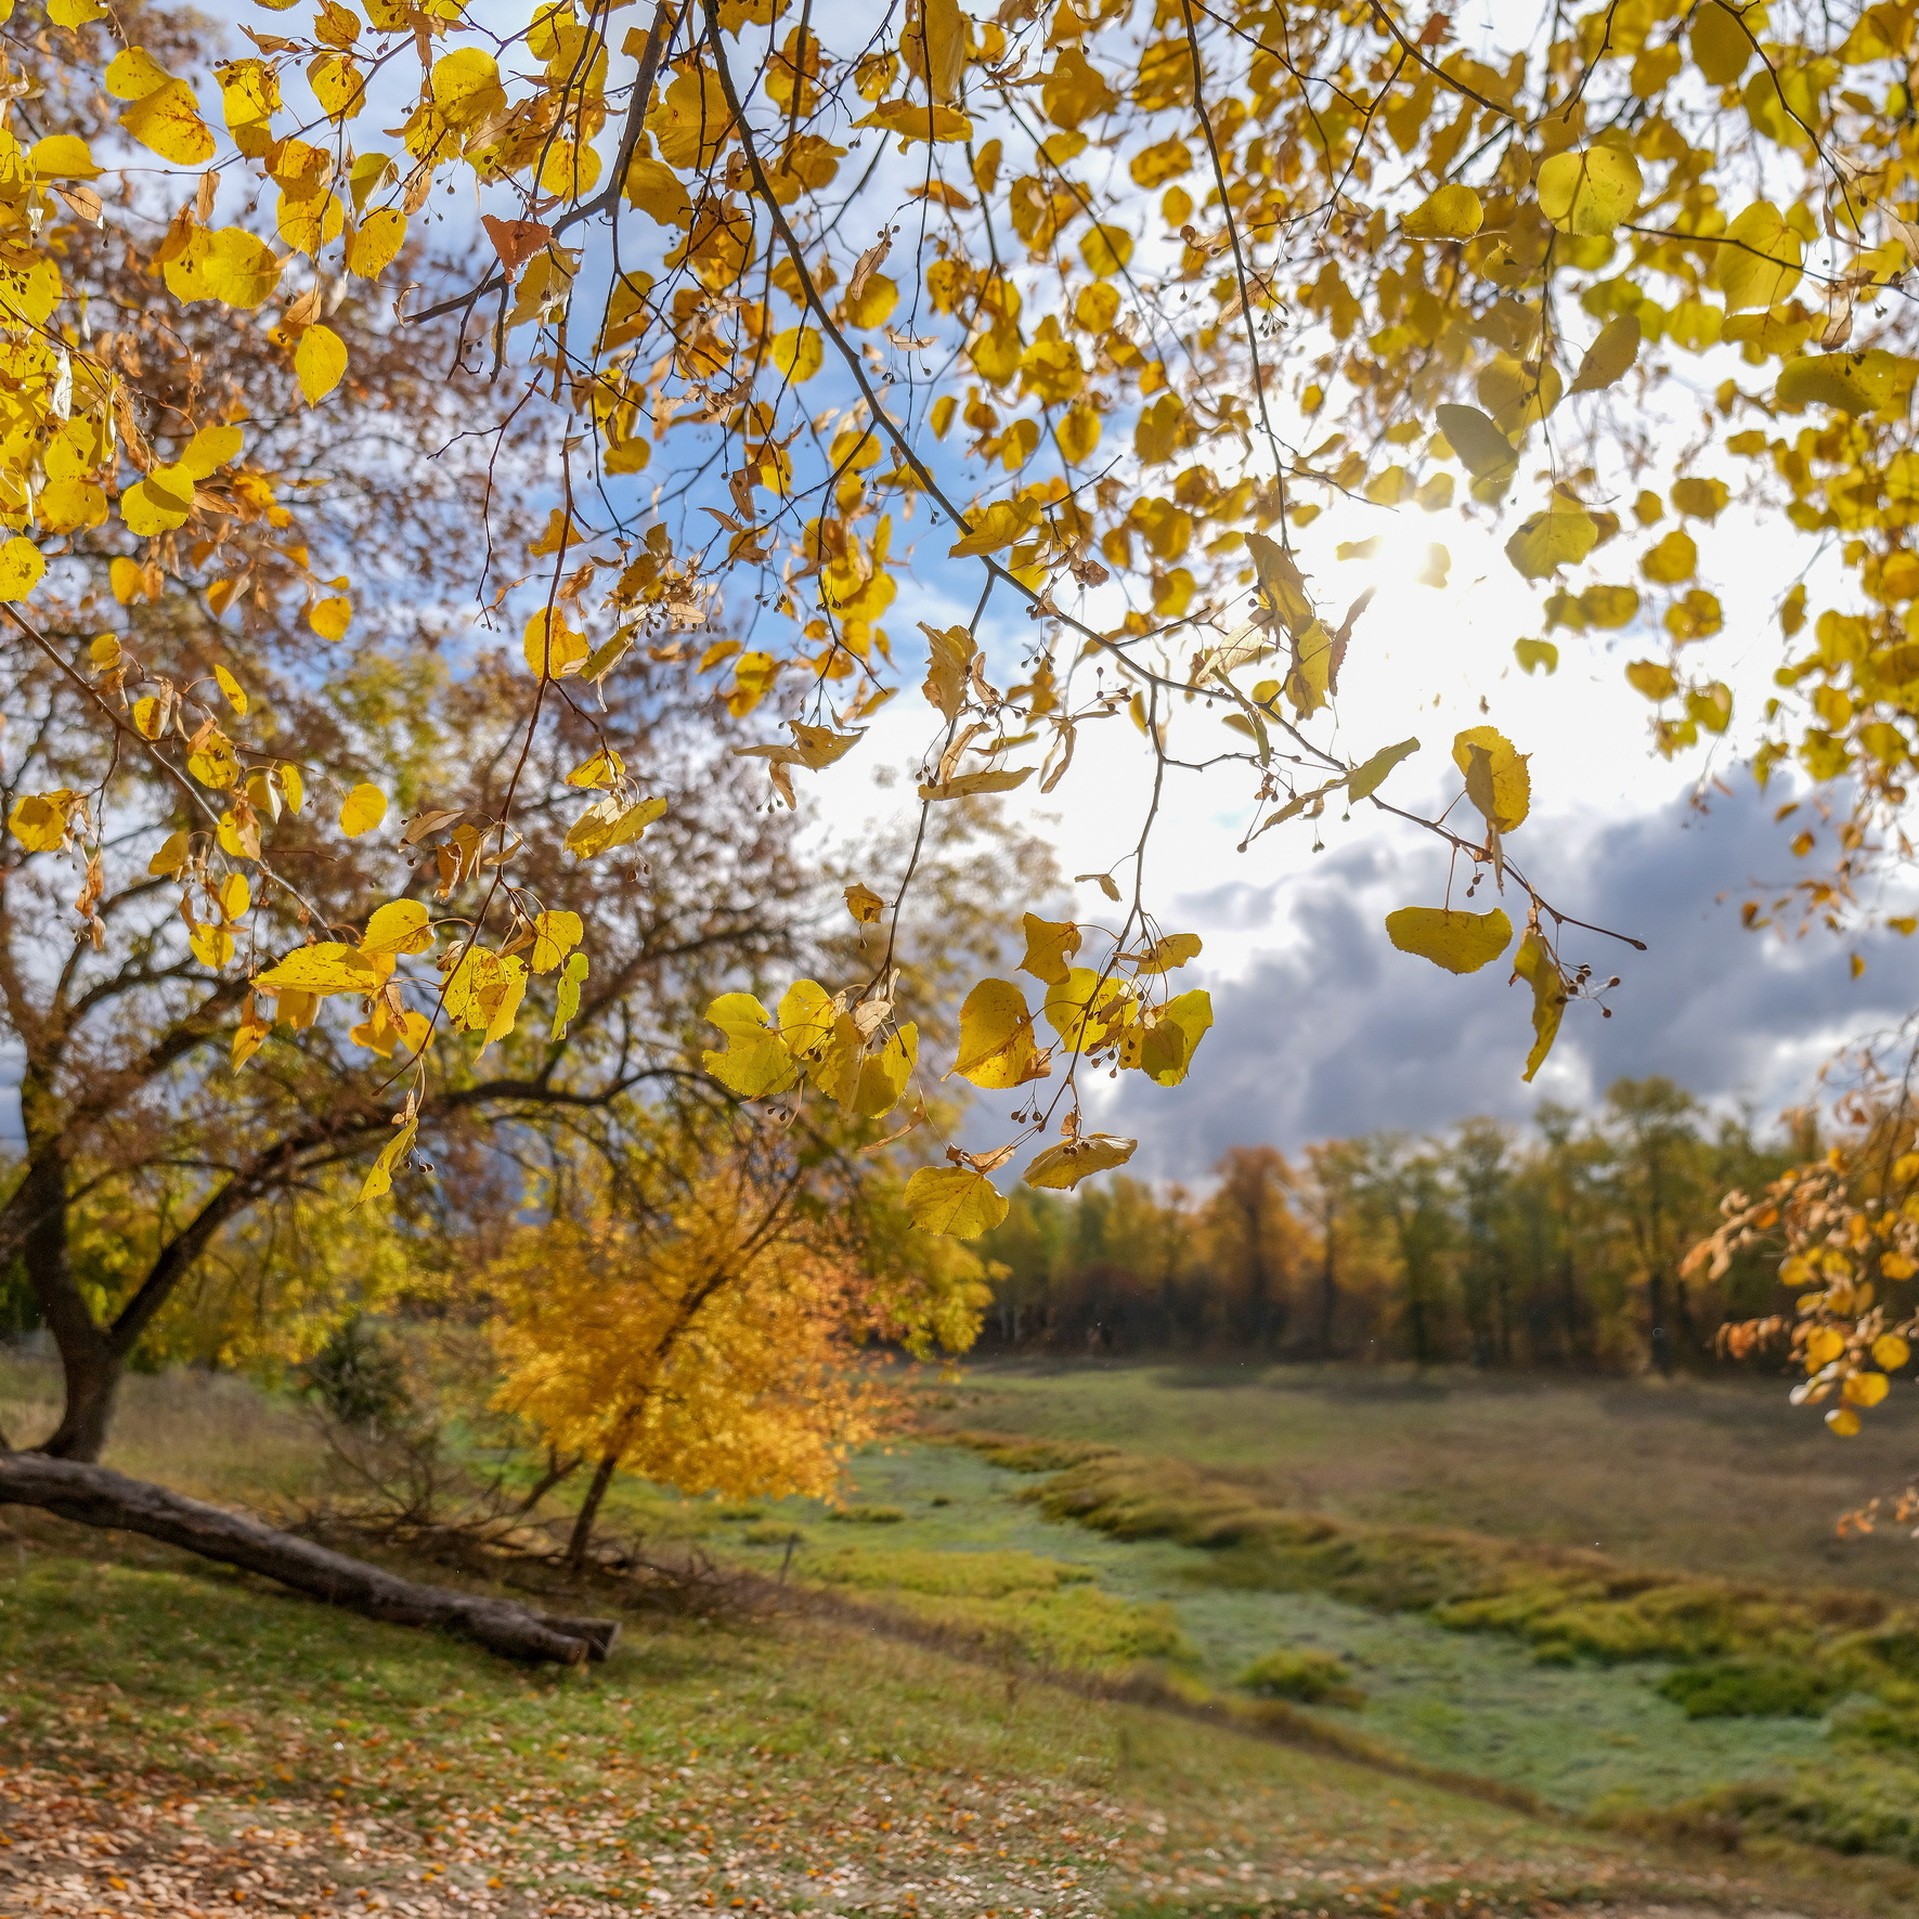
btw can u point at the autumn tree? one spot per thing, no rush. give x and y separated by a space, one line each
1078 316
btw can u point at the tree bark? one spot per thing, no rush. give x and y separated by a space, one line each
89 1363
94 1496
590 1509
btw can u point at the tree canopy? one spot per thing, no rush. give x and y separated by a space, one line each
390 589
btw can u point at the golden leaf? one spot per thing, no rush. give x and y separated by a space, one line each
319 361
996 1045
1063 1166
363 809
1589 192
954 1200
1459 941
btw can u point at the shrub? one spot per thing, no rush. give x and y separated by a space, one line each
867 1516
1751 1689
1303 1675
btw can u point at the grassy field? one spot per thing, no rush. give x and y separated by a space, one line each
1714 1476
172 1736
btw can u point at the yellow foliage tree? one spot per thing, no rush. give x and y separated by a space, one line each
711 1344
1078 313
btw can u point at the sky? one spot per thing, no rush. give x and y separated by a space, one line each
1323 1028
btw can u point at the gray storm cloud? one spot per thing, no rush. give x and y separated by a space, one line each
1336 1033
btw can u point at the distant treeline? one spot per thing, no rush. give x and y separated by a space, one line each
1553 1245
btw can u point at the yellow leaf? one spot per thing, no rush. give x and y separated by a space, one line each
211 945
1560 536
1050 944
954 1200
235 896
168 121
400 926
1823 1346
1173 1035
1063 1166
248 1037
233 266
21 568
566 998
63 156
1366 779
1453 212
1650 678
1535 964
363 810
916 120
996 1047
755 1063
1843 1422
1106 250
867 1082
331 617
171 857
132 74
1758 259
949 665
1483 449
374 243
1672 559
1890 1351
379 1182
864 904
1611 355
1721 47
319 361
159 503
875 303
1865 1389
552 648
1085 1010
1589 193
555 934
328 967
967 785
39 820
603 769
235 692
1461 942
1165 954
611 822
797 353
1498 780
380 1033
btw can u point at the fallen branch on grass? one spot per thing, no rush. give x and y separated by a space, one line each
94 1496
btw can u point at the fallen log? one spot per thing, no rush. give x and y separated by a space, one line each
96 1496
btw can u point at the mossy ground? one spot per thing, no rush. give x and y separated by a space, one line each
813 1764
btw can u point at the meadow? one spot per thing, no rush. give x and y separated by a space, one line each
1014 1670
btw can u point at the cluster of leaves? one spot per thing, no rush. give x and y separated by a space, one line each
1844 1229
1116 296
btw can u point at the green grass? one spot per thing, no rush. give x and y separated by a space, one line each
1716 1476
1730 1709
801 1763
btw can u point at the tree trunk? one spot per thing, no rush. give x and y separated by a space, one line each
1328 1294
1659 1335
94 1496
590 1510
89 1363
